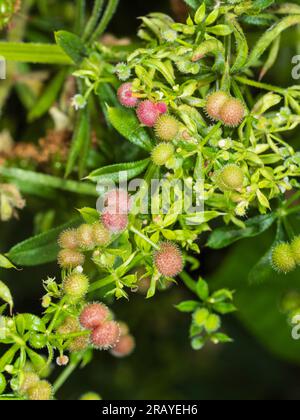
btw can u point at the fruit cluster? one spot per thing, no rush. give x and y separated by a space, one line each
220 106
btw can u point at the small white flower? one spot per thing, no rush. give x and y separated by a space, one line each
78 102
79 269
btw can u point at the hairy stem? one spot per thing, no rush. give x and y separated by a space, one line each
108 14
91 25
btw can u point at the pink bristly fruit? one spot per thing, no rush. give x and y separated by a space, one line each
106 336
124 347
115 223
168 260
126 96
93 315
118 201
148 113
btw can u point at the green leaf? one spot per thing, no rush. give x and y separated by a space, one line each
6 295
39 249
220 30
242 49
119 171
5 263
187 306
34 53
31 322
89 215
127 124
80 142
8 357
72 45
48 97
44 185
220 338
38 361
200 14
194 4
222 237
202 289
198 343
266 40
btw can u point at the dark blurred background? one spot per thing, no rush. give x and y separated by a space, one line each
260 364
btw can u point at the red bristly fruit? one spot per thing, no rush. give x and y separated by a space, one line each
124 347
126 96
93 315
106 336
148 113
168 260
115 223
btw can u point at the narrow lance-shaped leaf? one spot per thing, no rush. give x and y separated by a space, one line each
80 142
127 124
120 171
34 53
39 249
222 237
48 97
6 295
242 49
72 45
269 36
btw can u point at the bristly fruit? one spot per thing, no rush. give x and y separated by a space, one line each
115 223
295 246
168 260
79 343
282 258
162 107
124 347
167 127
230 178
42 391
93 315
232 112
126 96
28 381
70 258
75 286
214 104
85 237
118 200
162 153
106 336
68 239
148 113
101 235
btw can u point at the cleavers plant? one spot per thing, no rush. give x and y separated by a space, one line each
190 96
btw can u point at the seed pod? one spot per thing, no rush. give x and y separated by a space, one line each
115 223
75 286
93 315
68 239
283 259
101 235
214 104
167 128
126 96
106 336
124 347
168 260
147 113
230 178
85 237
42 391
162 153
232 113
29 380
70 258
295 246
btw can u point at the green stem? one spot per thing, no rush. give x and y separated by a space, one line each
288 228
57 313
211 133
188 281
293 198
141 235
293 210
108 14
80 16
91 25
259 85
66 373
